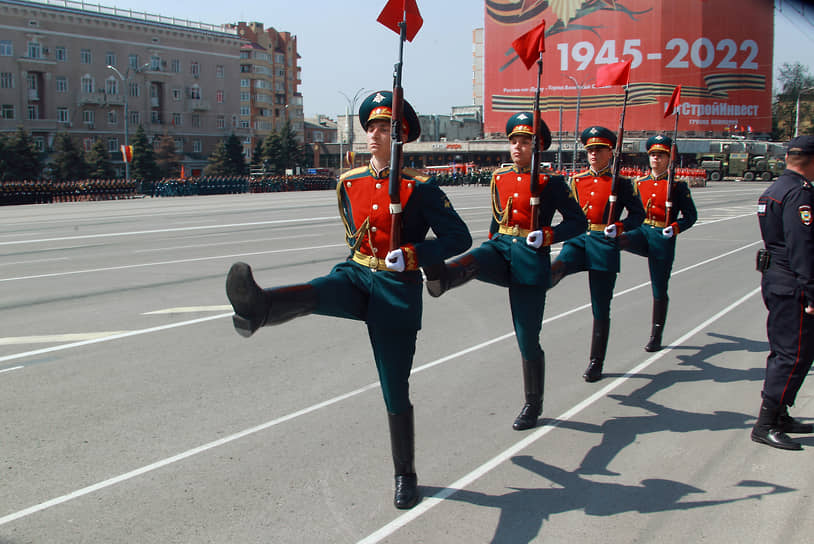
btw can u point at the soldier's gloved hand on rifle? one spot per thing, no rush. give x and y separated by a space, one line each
610 231
395 260
535 239
668 232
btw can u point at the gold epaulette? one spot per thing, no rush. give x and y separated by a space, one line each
354 172
414 174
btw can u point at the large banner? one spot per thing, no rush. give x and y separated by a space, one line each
719 51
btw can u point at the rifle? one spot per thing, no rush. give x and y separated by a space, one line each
397 143
668 204
617 160
534 201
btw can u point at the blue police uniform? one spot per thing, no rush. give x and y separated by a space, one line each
363 288
593 250
787 284
507 260
648 240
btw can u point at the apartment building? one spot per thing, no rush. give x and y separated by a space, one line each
94 71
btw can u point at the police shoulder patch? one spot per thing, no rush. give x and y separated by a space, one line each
805 215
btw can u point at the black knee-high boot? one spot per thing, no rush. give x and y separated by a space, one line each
599 345
444 277
402 443
768 431
659 317
255 307
533 386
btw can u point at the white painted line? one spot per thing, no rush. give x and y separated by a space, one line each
10 369
161 263
51 338
177 229
35 261
429 502
191 309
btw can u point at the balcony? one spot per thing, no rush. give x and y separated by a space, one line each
114 99
33 95
90 98
196 104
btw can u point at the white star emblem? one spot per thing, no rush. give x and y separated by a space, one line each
378 98
522 116
659 138
594 131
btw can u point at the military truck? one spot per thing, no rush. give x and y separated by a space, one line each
741 165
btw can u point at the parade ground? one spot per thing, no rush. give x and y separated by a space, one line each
132 412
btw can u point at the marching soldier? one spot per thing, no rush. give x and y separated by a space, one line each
655 239
597 250
787 262
517 257
380 287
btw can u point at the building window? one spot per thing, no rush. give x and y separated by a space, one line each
179 145
85 56
135 118
112 85
112 145
196 146
195 92
33 112
244 83
87 84
220 122
112 117
244 111
6 80
155 63
63 115
87 143
155 117
88 117
7 111
39 143
110 58
219 97
279 58
34 50
132 61
60 54
6 48
176 66
134 88
219 71
176 94
244 96
194 68
176 119
244 124
62 84
195 120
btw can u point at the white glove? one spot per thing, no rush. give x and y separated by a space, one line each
668 232
610 230
395 260
535 239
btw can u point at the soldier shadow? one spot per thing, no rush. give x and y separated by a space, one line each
620 432
523 511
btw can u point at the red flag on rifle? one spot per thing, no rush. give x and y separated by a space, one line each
397 11
672 105
530 45
617 73
127 153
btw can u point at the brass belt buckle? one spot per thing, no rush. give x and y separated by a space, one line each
515 230
373 263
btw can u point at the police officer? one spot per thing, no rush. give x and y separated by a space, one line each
597 250
655 239
517 257
380 287
787 263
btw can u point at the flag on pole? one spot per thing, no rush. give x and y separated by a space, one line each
617 73
530 45
396 11
672 105
127 153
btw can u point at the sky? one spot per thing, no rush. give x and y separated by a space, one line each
343 49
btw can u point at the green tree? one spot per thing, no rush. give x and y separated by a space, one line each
68 160
167 159
273 154
235 162
794 79
98 160
143 166
22 160
216 165
292 152
257 153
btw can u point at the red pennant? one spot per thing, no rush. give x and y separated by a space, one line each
672 106
397 11
530 45
617 73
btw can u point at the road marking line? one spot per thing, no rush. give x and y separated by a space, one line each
10 369
49 338
429 502
190 309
